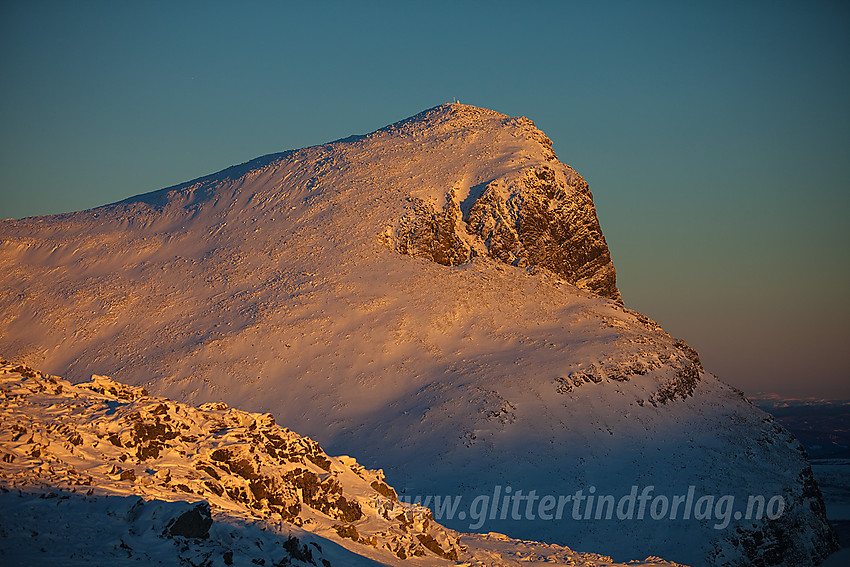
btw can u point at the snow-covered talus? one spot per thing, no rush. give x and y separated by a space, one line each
102 472
435 297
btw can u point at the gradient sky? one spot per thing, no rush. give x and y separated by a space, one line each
715 138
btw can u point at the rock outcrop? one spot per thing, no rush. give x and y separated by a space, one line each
208 485
537 216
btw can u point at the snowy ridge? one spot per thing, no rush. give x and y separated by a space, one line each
435 297
208 485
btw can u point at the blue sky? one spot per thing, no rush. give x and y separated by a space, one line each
715 137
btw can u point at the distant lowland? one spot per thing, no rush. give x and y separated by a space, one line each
822 426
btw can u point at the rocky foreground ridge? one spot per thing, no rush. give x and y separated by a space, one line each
209 486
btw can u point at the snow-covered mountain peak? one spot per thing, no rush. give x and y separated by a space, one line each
457 117
437 298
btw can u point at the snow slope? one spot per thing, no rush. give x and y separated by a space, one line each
436 298
103 473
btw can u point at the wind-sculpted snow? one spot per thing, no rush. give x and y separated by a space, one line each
125 476
435 297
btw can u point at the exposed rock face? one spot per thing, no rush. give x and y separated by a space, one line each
433 235
776 541
194 523
541 219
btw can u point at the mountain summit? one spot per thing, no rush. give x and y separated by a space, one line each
437 299
477 183
535 212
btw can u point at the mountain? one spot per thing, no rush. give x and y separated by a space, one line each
103 472
437 298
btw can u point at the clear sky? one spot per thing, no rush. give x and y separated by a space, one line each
715 136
